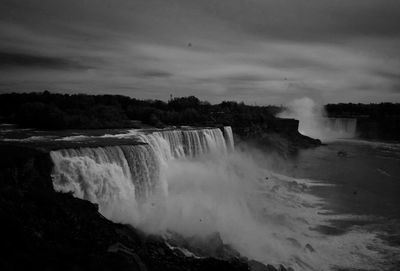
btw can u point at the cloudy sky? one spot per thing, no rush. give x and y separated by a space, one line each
257 51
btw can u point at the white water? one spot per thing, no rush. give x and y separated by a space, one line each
313 122
341 127
194 183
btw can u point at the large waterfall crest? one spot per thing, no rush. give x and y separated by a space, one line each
105 175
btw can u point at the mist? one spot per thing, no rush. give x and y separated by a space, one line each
314 122
261 214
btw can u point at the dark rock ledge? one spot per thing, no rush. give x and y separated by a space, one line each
282 138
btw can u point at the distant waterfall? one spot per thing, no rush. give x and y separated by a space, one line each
346 127
313 123
106 174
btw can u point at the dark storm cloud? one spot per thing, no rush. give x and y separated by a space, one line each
9 60
310 19
285 18
255 50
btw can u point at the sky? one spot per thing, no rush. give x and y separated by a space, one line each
257 51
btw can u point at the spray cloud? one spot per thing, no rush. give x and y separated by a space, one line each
314 123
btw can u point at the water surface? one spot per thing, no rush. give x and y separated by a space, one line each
364 187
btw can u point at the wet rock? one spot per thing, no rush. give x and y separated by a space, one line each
309 248
257 266
294 242
161 251
271 268
120 248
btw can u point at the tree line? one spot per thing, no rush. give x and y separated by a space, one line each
373 110
52 111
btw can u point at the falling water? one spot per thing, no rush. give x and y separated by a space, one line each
313 122
104 173
343 127
229 137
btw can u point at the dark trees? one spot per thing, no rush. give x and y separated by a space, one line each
62 111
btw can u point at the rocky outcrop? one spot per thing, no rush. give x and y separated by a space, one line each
282 137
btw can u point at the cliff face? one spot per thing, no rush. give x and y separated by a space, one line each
53 231
282 136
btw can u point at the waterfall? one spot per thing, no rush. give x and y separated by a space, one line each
188 143
313 123
229 138
108 175
345 126
133 173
